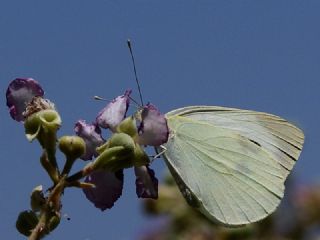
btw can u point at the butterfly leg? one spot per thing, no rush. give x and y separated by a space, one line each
164 149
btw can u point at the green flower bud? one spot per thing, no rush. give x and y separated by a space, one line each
72 146
122 139
37 198
118 153
27 220
128 126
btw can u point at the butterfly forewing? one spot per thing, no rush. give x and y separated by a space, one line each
233 161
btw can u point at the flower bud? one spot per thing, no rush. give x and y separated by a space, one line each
27 220
37 198
118 153
72 146
128 126
122 139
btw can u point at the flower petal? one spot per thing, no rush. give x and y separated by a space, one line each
91 134
19 93
114 112
153 129
108 188
146 182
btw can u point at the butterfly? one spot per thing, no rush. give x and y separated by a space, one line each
229 163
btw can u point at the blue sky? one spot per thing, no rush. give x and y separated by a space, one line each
257 55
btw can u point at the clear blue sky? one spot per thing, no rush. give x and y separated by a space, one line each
258 55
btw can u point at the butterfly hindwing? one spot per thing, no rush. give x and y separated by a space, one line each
233 161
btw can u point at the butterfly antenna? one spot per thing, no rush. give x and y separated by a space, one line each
135 70
137 105
104 99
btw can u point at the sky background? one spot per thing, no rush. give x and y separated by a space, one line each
257 55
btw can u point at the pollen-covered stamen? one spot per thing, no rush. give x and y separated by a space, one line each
19 93
153 129
37 104
91 134
114 112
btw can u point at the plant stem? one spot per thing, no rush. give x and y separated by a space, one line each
68 165
52 172
51 208
81 174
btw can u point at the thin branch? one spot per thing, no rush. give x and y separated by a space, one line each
51 207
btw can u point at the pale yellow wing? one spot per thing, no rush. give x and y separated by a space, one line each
231 163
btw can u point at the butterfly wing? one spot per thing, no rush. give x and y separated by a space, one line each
231 163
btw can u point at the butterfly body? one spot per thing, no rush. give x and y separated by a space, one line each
229 163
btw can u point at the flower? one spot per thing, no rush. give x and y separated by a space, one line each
19 93
114 112
91 134
147 127
146 182
153 130
43 125
107 190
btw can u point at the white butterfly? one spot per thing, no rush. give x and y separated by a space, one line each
229 163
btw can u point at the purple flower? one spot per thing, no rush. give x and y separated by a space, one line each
153 130
19 93
107 190
146 182
91 134
114 112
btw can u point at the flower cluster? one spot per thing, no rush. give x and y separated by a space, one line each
106 158
146 127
